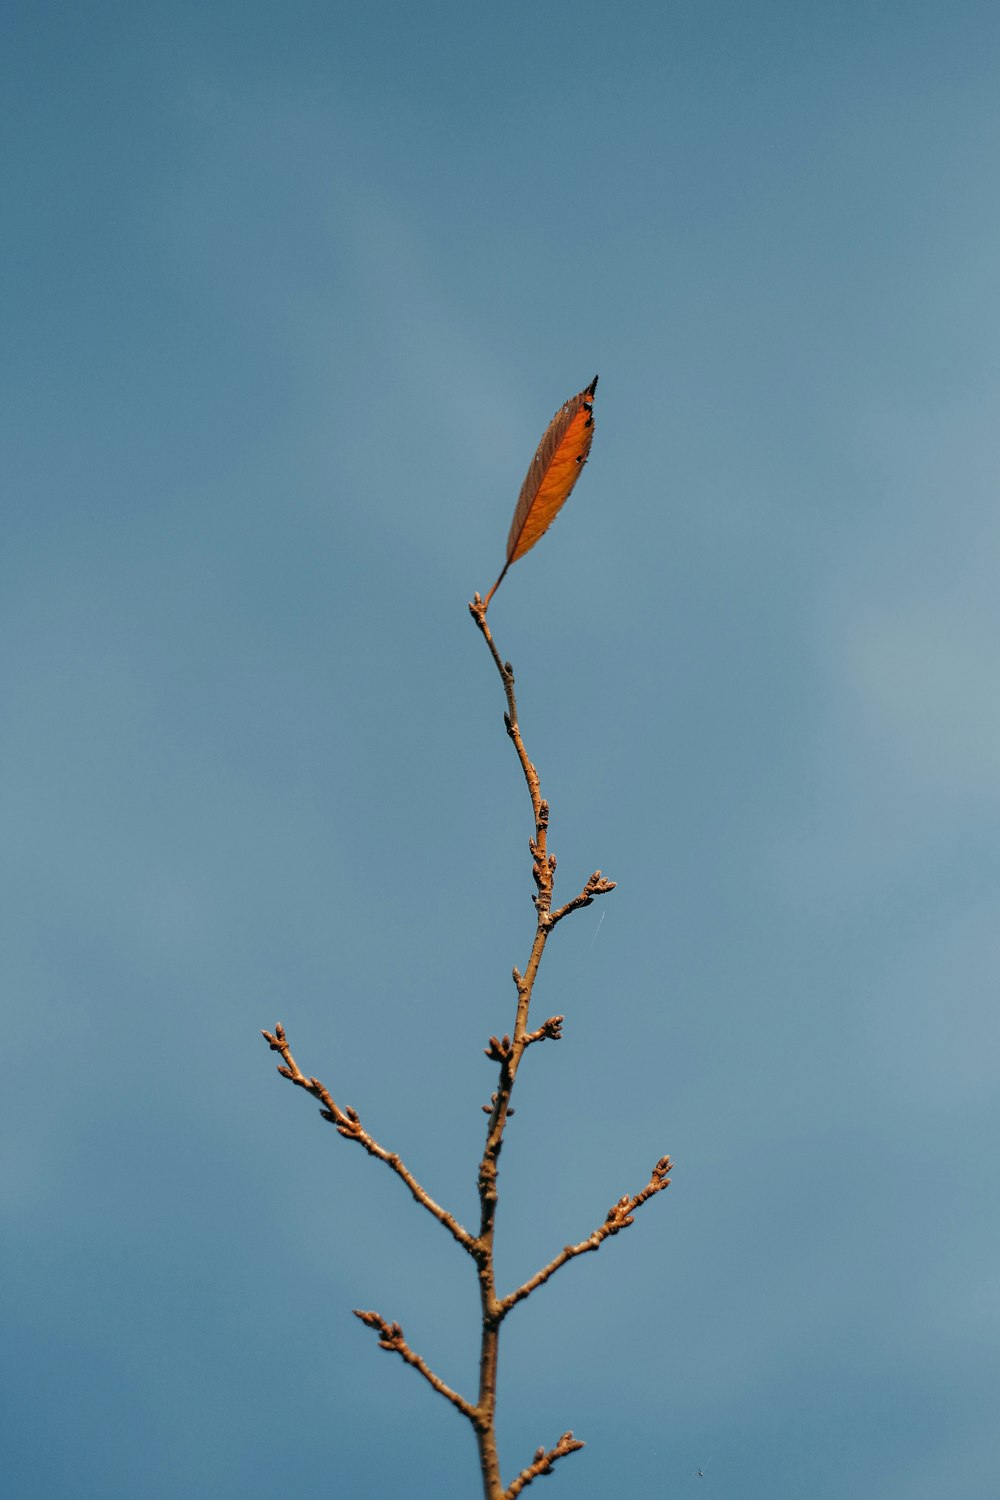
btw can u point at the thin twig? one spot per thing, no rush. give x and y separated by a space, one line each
349 1126
391 1338
542 1464
619 1217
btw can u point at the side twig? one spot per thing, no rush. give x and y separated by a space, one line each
391 1338
542 1464
595 886
619 1217
349 1126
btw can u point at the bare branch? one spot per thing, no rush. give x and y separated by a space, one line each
391 1338
507 1051
349 1125
542 1464
619 1217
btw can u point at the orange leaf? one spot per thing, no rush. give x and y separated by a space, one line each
554 470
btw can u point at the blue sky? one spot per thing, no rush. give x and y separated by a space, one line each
292 292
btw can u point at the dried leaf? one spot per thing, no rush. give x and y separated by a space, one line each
554 470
